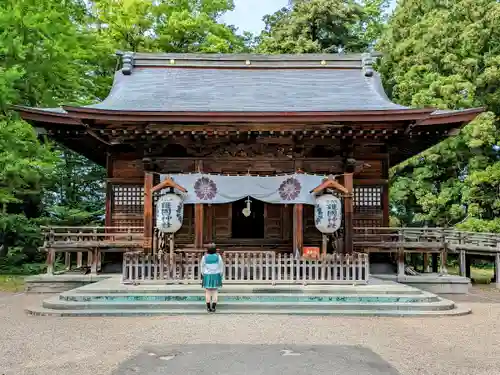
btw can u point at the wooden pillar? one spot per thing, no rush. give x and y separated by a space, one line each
401 255
444 256
497 270
79 259
51 258
427 267
95 261
208 229
385 192
67 260
298 228
148 211
348 212
463 263
324 245
198 215
401 263
108 221
198 226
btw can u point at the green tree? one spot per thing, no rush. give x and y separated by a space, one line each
166 26
43 63
56 52
323 26
446 54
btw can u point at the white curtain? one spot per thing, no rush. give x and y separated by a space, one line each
217 189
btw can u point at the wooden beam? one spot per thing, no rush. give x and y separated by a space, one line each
148 211
125 180
348 212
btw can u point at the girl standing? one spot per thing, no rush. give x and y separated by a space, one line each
212 271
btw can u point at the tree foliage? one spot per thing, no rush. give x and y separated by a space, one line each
329 26
446 54
56 52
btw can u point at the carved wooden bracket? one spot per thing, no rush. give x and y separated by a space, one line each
168 183
330 183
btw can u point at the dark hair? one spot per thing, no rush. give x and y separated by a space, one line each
211 249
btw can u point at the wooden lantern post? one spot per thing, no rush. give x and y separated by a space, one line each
331 183
168 183
298 225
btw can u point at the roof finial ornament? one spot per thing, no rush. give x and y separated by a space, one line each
127 63
367 62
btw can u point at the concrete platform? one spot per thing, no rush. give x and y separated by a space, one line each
432 282
380 298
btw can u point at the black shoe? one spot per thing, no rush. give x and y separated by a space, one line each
214 304
209 309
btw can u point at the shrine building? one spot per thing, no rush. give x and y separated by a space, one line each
250 139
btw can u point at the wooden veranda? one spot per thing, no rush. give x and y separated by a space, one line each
91 244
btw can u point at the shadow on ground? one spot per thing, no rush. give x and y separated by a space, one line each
256 360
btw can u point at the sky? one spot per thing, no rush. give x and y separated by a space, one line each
247 15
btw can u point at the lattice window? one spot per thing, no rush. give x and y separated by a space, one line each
128 199
368 199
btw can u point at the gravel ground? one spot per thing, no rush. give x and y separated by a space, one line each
467 345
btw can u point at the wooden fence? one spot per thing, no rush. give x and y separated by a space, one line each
425 240
90 242
248 267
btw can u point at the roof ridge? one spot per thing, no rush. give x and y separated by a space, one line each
248 60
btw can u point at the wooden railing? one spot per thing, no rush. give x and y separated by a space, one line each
425 240
248 267
92 242
89 241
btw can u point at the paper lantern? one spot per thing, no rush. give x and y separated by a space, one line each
169 213
328 213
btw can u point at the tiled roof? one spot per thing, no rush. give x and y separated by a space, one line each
246 83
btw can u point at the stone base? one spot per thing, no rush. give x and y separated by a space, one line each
379 298
39 284
433 282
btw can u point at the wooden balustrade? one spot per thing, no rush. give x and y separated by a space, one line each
248 267
89 243
424 240
92 241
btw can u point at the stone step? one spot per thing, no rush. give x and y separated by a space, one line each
229 297
40 311
57 304
109 287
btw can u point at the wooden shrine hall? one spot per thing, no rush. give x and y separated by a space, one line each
215 116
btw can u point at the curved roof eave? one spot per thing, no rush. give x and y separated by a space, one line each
237 116
441 117
46 115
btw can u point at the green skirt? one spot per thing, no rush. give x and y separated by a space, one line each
213 281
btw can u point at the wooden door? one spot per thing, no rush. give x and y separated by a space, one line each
221 221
